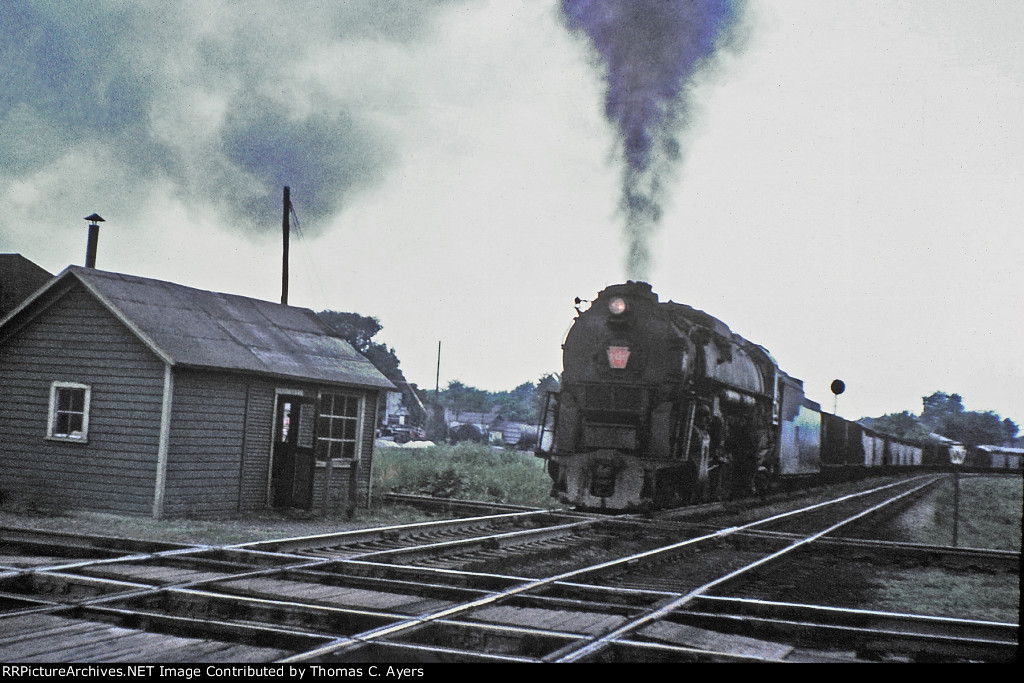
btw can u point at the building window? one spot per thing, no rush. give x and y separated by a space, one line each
69 412
339 427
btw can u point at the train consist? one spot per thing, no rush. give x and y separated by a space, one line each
662 405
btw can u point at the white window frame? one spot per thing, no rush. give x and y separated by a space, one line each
51 422
360 418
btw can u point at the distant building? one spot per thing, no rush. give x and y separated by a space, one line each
996 457
19 279
404 408
490 426
133 395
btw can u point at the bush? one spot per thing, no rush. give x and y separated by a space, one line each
466 470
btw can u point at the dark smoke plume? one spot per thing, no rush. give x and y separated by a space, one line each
213 99
650 50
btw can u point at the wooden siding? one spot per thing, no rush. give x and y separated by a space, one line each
76 339
255 467
219 454
204 460
219 444
365 465
342 475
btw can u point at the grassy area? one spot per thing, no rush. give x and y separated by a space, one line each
993 517
989 517
466 470
941 592
989 514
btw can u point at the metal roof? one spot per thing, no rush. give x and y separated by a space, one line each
197 328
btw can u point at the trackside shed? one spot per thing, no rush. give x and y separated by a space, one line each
133 395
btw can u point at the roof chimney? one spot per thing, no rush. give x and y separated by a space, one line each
94 238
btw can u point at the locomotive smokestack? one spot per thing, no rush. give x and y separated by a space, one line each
94 238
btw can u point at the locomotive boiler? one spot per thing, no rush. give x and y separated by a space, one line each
662 405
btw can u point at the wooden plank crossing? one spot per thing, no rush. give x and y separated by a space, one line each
703 639
334 596
24 561
152 574
47 638
586 623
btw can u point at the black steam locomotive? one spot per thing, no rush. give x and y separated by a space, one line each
662 405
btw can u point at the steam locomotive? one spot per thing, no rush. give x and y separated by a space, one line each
662 405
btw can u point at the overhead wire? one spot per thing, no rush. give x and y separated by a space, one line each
315 277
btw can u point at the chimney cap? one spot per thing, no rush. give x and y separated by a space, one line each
95 218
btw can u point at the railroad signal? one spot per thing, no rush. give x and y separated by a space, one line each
838 387
956 458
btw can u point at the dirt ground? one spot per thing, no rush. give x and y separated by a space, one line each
206 532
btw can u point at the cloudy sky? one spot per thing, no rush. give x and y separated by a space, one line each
846 192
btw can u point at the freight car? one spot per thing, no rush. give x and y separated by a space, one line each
663 405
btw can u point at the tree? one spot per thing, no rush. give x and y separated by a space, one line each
358 330
462 398
976 428
945 414
902 425
526 401
516 405
940 405
522 404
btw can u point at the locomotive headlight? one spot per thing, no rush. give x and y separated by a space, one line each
617 306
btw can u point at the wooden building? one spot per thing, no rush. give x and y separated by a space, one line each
19 278
133 395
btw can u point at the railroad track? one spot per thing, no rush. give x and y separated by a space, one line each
520 585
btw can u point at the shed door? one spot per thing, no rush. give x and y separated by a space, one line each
292 481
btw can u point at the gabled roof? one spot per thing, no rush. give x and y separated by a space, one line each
19 278
195 328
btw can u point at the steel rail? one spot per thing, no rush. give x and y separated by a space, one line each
455 503
895 639
463 654
361 639
16 535
598 643
368 637
680 653
493 540
297 562
985 628
991 557
378 533
137 557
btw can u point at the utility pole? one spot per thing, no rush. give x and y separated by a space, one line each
437 379
285 229
440 423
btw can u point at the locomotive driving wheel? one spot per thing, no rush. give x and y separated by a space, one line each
762 483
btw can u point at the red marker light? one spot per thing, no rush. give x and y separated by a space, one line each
617 306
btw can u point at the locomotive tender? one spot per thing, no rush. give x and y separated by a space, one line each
662 405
